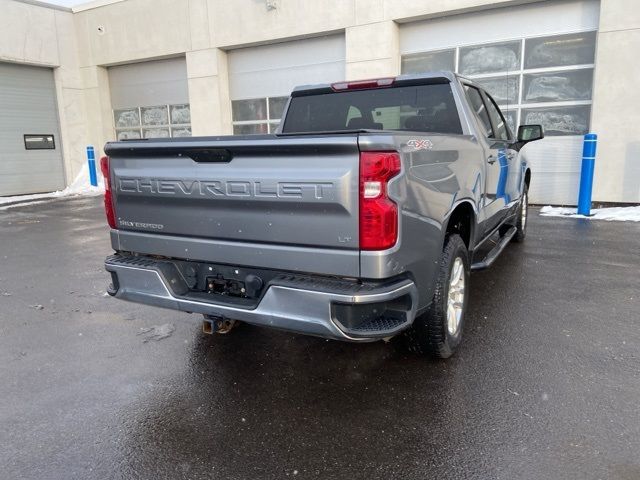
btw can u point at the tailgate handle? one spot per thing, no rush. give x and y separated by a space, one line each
210 155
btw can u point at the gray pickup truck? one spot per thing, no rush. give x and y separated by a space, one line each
359 220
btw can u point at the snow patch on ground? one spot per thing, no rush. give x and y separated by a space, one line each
79 187
620 214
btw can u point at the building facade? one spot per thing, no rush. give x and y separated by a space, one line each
115 69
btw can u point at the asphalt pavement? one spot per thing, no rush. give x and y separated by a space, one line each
545 386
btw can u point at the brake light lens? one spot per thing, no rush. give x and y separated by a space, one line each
108 198
363 84
378 213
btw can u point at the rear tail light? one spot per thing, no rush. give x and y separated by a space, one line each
378 213
108 199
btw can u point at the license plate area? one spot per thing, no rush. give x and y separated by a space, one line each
219 285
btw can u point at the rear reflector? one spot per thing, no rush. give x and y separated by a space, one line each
363 84
108 199
378 213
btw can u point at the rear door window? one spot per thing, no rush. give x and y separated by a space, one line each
500 128
477 104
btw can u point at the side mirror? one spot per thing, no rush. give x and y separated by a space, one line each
526 134
529 133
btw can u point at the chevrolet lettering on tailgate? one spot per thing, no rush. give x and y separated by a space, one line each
229 188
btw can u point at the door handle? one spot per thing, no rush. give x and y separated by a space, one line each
511 156
491 159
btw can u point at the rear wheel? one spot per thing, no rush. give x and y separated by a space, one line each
523 213
438 331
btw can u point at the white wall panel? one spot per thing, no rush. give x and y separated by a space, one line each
555 165
273 70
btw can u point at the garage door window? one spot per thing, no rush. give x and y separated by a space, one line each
257 115
156 121
39 142
483 59
546 80
420 62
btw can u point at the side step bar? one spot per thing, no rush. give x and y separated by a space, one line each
496 251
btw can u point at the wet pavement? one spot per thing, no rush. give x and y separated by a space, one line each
546 384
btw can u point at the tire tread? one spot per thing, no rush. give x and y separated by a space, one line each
428 335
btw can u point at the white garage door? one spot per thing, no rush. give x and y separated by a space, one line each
537 61
30 150
150 99
261 78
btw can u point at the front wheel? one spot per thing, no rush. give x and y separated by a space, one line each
523 213
438 331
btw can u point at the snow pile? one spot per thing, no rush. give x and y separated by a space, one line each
80 186
621 214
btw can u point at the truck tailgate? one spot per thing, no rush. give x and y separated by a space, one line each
295 191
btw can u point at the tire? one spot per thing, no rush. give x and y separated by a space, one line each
523 217
431 333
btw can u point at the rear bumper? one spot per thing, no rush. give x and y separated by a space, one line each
314 306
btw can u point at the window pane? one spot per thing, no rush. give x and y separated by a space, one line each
500 57
388 118
353 112
559 120
560 50
250 129
154 115
276 107
254 109
502 89
181 132
180 113
429 108
511 116
475 100
428 61
129 117
127 134
557 86
155 133
500 126
39 142
273 127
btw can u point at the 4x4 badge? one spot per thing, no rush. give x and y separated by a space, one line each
417 144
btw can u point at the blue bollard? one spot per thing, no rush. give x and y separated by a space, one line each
586 173
91 158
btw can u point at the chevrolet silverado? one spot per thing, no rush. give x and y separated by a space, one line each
360 219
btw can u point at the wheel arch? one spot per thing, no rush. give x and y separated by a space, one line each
462 220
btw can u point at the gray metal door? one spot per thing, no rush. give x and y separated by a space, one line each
30 149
